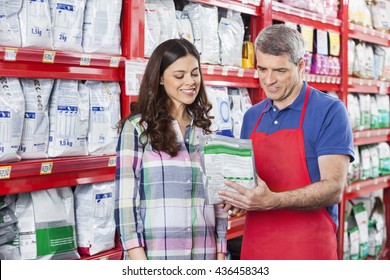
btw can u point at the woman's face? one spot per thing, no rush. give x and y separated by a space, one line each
181 81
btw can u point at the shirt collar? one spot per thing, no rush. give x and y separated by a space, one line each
297 104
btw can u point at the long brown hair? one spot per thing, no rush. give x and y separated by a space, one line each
155 105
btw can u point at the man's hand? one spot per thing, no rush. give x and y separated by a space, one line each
259 198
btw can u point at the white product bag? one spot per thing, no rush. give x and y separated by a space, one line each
101 28
24 211
55 224
69 119
67 18
35 135
167 19
95 223
9 23
218 97
11 118
183 26
204 21
104 116
35 24
152 29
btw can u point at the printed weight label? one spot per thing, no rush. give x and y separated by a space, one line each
112 161
48 56
10 54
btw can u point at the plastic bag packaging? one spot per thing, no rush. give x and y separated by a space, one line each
9 23
67 18
11 118
380 11
226 158
69 119
101 29
204 21
221 121
95 223
55 224
152 29
183 26
104 117
35 135
35 24
167 19
231 34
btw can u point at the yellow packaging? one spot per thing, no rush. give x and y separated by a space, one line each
248 55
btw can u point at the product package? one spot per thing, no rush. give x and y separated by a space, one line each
226 158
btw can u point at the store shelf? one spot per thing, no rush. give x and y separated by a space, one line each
371 136
368 86
286 13
235 227
323 83
38 63
369 35
32 175
232 5
114 254
360 188
216 75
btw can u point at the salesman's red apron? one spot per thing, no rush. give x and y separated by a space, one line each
286 234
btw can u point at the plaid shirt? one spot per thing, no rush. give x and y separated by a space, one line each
160 201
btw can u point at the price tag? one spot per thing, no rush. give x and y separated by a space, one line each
10 54
48 56
256 74
361 82
229 225
225 71
85 60
46 168
210 70
365 30
314 16
240 72
5 172
112 161
114 61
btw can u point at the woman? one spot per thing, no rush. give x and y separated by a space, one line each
160 200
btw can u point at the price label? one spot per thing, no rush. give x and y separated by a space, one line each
240 72
5 172
46 168
114 61
85 60
112 161
225 71
229 225
256 75
48 56
210 70
10 54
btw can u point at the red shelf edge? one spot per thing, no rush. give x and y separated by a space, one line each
236 227
360 188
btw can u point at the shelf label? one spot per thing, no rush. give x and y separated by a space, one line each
210 70
112 161
85 60
5 172
225 71
114 61
10 54
46 168
256 74
48 56
241 72
229 225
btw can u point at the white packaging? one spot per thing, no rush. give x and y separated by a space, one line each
35 24
69 119
101 28
384 158
183 26
204 21
218 97
167 19
236 111
95 223
55 224
9 23
104 117
67 23
11 118
35 135
383 103
231 35
152 29
365 113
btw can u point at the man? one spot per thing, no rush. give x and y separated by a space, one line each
303 145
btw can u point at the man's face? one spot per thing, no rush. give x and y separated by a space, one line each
279 77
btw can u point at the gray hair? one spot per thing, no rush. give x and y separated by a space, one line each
280 39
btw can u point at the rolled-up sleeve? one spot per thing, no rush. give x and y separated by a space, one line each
127 195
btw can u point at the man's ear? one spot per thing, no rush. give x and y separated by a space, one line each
301 65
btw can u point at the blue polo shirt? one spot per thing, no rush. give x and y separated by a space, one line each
326 128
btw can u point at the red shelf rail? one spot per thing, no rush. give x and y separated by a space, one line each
360 188
32 175
366 137
368 86
369 35
235 227
233 5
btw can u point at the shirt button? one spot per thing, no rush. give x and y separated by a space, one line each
188 181
188 229
187 140
274 110
275 122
